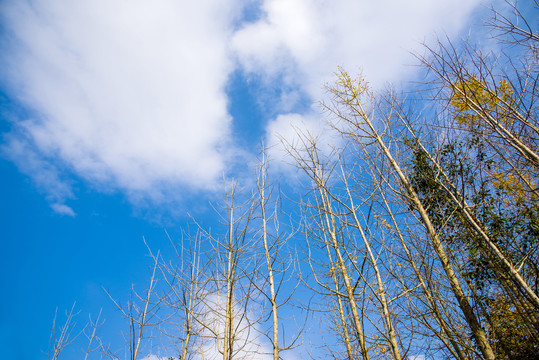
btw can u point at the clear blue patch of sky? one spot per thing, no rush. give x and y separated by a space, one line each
251 11
248 118
50 261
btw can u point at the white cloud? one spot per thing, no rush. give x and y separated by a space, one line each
292 134
248 342
307 39
416 357
63 209
45 174
131 94
128 93
155 357
301 43
288 32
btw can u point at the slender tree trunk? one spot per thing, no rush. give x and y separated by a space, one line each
452 346
342 316
228 347
458 200
350 98
467 310
381 290
273 298
330 226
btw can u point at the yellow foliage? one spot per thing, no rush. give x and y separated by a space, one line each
352 87
472 99
512 184
385 223
506 327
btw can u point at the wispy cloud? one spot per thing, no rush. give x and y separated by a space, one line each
301 43
63 209
416 357
155 357
307 39
248 342
132 95
46 175
128 94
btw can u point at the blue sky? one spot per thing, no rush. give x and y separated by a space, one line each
120 118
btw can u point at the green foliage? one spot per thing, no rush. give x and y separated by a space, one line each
510 219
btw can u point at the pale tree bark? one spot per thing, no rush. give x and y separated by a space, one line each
380 184
451 70
57 342
68 333
279 269
185 281
460 202
341 318
232 266
348 94
381 291
142 318
328 219
446 335
262 188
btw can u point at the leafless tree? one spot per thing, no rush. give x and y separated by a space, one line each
279 268
142 314
68 334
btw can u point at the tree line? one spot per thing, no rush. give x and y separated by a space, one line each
417 232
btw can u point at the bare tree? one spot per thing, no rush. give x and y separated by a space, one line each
353 105
57 342
69 334
184 278
279 263
141 313
224 315
420 235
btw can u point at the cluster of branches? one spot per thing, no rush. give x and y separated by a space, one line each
427 213
220 296
419 233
